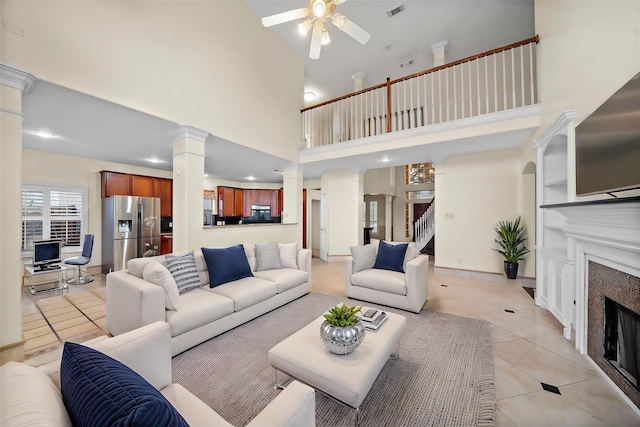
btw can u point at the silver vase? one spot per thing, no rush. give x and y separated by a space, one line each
342 339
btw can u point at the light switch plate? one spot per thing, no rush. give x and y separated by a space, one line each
13 28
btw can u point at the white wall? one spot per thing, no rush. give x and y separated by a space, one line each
587 51
49 168
478 190
210 64
380 181
344 189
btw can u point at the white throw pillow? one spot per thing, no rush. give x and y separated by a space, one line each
28 397
267 256
364 257
288 255
158 274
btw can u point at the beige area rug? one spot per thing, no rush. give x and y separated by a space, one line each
75 317
444 376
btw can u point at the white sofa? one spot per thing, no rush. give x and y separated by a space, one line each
406 291
31 396
204 312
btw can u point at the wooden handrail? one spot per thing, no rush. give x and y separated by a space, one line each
389 82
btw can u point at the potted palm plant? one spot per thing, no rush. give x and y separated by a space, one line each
342 330
511 241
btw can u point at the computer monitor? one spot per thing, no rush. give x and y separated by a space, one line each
46 252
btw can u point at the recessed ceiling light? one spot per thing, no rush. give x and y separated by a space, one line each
154 160
44 134
309 96
206 175
385 160
251 178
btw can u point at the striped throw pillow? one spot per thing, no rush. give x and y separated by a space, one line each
184 271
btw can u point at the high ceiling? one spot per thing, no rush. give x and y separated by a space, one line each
469 27
92 128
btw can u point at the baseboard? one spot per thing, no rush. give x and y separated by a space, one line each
527 282
337 258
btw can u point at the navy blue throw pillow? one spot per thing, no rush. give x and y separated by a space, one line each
226 264
100 391
390 257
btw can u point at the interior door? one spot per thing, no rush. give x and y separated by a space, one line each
324 228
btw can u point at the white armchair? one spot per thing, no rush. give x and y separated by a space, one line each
406 291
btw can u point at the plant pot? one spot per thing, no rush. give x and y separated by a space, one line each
342 339
511 269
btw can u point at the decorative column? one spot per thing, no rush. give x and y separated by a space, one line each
358 80
438 50
13 83
292 194
188 184
388 220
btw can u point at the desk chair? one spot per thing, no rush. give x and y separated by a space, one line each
79 261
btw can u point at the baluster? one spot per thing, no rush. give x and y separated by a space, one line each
478 84
446 80
513 78
440 95
455 96
532 46
521 49
495 84
504 81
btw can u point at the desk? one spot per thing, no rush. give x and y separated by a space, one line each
55 278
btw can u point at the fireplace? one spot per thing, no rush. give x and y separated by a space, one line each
622 340
613 338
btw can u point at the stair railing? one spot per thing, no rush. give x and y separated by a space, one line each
425 227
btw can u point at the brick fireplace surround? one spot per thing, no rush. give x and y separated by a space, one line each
624 289
603 242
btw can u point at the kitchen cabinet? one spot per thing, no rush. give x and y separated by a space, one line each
164 190
230 201
166 245
142 186
274 203
265 198
115 184
238 201
124 184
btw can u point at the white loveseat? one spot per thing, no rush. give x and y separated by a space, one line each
204 312
406 291
31 396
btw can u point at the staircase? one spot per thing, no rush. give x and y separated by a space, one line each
424 228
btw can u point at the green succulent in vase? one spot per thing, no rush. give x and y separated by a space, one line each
343 315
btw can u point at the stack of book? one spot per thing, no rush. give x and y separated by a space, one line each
373 319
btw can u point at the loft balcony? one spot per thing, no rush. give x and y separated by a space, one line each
502 80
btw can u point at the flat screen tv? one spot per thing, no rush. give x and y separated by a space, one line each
608 144
46 252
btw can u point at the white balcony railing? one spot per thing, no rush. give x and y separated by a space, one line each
498 80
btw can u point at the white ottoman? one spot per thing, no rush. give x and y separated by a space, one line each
347 378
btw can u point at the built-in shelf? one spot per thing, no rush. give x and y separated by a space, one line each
560 181
555 226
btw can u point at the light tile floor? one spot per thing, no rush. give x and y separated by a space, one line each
528 348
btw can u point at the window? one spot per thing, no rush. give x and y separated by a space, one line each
370 211
420 173
53 212
373 216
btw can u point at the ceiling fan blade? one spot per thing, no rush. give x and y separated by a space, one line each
355 31
283 17
314 50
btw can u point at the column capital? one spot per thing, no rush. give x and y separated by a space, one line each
294 167
188 131
15 78
440 46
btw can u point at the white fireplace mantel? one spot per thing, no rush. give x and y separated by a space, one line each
607 232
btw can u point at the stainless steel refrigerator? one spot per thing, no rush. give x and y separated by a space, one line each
130 229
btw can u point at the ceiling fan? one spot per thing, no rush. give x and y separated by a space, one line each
320 11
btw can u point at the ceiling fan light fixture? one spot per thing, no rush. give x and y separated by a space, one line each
339 20
319 8
304 27
324 37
